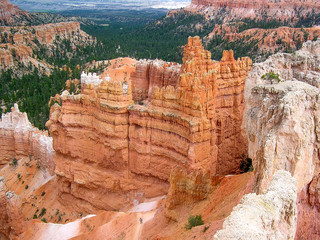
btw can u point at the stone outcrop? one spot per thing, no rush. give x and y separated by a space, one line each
47 33
4 219
189 187
202 116
267 40
282 122
10 13
19 43
272 215
18 138
280 114
153 73
126 146
256 9
257 28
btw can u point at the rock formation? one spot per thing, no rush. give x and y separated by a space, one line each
255 28
19 43
272 215
10 13
268 40
4 219
257 9
125 145
189 187
282 122
150 74
18 138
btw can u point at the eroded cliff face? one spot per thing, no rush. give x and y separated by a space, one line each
18 139
268 40
272 215
10 13
202 116
257 9
282 122
19 43
125 145
153 73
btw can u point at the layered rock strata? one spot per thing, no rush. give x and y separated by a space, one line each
268 40
202 116
150 74
282 122
18 138
257 9
126 146
19 43
272 215
10 13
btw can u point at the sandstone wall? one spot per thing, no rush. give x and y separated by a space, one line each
47 33
128 146
256 9
19 42
90 134
282 122
9 13
268 39
153 73
202 117
272 215
18 138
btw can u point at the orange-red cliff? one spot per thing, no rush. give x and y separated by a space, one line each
125 146
10 13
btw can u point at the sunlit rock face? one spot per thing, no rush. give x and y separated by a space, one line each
10 13
282 123
153 73
18 138
189 116
257 9
272 215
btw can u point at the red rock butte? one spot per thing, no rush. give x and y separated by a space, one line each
257 3
110 150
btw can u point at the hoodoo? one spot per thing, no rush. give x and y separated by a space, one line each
124 146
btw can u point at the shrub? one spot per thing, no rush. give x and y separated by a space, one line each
43 193
194 221
271 76
14 162
44 220
35 216
26 187
43 212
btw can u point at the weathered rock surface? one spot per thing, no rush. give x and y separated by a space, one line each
189 187
125 145
18 138
153 73
268 40
282 127
272 215
256 9
202 116
4 219
282 122
10 13
18 43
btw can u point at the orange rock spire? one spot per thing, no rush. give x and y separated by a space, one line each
191 122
